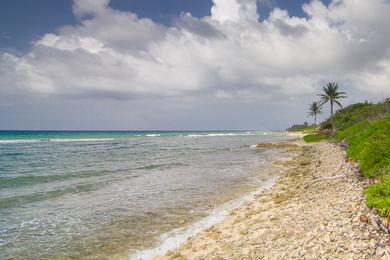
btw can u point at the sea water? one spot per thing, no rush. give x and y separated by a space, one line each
69 194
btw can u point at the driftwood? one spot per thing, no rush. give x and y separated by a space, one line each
327 179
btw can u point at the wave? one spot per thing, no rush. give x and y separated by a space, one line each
18 141
190 135
57 140
171 240
221 134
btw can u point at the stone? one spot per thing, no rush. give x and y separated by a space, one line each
363 218
380 251
374 222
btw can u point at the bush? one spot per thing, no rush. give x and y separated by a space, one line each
369 143
314 137
357 113
298 127
378 195
305 128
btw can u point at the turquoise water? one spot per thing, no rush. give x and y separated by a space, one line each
102 194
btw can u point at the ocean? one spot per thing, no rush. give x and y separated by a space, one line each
103 194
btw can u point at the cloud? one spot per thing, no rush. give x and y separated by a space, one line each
234 11
227 55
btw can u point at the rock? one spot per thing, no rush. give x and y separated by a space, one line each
380 251
384 224
374 222
363 218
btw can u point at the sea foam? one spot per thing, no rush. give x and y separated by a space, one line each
57 140
173 239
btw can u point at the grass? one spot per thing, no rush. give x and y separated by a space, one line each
314 137
369 143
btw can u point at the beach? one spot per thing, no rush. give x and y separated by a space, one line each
315 210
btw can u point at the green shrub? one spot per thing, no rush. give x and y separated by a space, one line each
369 143
311 130
305 127
378 195
314 137
357 113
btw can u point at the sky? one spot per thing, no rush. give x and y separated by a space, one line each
186 64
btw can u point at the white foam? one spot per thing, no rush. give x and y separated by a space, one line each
153 135
58 140
173 239
221 134
83 140
17 141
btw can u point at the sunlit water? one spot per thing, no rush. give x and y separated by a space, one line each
105 194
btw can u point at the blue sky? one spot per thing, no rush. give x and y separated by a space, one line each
148 65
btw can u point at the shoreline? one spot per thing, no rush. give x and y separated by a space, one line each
316 209
175 238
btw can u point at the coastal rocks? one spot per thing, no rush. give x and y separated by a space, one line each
300 218
364 218
377 222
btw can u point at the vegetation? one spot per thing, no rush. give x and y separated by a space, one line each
357 113
314 110
365 129
305 128
331 94
378 195
315 137
298 127
369 143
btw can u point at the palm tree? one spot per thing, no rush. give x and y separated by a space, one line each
331 94
314 110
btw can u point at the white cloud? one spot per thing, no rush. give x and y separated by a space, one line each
234 10
229 54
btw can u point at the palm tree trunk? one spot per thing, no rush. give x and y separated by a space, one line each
331 107
315 119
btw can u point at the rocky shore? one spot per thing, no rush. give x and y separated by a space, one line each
316 210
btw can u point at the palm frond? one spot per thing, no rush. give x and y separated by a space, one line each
338 103
331 94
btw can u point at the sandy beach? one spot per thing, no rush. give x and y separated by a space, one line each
316 210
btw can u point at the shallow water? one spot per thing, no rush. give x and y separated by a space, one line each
103 194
